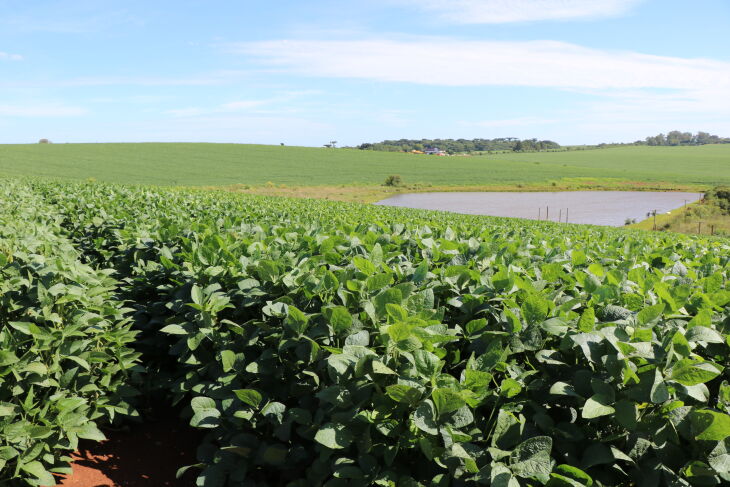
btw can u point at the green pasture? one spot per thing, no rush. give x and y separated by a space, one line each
191 164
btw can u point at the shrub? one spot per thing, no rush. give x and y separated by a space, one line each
393 180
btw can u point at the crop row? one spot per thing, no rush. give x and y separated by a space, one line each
321 343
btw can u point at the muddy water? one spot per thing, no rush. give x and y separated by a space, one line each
595 207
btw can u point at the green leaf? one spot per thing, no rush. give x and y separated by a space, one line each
535 309
703 334
597 405
569 476
650 313
475 326
340 319
196 293
37 470
228 359
427 364
251 397
364 265
424 417
421 272
174 329
447 400
531 458
296 320
587 320
396 312
710 425
719 457
563 389
690 372
509 388
89 431
403 393
334 436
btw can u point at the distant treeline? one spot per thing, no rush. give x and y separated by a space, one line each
456 146
675 137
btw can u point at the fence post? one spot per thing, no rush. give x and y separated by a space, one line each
712 229
566 215
539 213
699 227
547 213
560 215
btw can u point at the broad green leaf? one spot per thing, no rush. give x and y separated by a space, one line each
587 321
531 458
251 397
174 329
650 313
364 265
37 470
535 309
446 400
424 417
509 388
228 359
569 476
703 334
340 319
710 425
691 372
595 406
403 393
334 436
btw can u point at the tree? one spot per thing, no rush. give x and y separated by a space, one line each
44 141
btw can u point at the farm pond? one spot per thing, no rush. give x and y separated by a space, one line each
610 208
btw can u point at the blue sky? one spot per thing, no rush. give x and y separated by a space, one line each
305 73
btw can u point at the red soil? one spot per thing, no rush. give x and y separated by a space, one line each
147 455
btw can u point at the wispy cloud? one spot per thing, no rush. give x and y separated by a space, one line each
41 111
622 88
5 56
449 62
505 11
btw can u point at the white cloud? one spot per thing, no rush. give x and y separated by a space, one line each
5 56
630 94
504 11
448 62
41 111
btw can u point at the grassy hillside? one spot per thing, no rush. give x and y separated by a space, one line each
228 164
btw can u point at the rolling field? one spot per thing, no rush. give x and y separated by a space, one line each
189 164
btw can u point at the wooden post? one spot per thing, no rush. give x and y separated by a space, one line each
654 219
712 229
560 215
566 215
699 227
539 213
547 213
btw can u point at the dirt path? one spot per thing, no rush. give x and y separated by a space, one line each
146 455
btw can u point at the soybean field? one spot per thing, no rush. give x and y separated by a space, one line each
322 343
